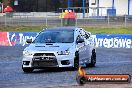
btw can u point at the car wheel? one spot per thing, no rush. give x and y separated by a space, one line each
76 61
93 58
27 70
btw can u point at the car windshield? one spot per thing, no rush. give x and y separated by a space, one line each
55 36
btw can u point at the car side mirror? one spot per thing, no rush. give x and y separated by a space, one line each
80 40
29 40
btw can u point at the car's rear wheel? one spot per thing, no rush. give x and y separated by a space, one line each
27 70
93 59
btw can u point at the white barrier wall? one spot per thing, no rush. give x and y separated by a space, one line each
131 7
121 7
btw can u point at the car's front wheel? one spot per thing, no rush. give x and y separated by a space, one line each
76 61
27 70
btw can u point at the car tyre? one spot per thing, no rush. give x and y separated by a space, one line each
76 61
93 58
27 70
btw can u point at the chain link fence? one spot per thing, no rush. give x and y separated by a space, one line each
51 19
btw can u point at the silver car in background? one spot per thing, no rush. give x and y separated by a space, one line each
59 47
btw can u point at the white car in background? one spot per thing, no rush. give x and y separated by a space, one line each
59 47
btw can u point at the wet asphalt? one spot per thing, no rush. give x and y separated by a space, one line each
109 61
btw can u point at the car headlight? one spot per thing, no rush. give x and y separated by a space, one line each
63 52
27 53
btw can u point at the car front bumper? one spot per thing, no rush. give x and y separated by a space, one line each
57 61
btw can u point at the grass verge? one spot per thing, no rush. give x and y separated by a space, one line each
119 30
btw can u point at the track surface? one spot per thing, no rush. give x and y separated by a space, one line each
109 61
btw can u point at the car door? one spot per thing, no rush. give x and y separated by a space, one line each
82 49
88 45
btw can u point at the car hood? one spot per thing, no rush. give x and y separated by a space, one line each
49 47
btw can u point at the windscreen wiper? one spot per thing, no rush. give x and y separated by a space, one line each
50 42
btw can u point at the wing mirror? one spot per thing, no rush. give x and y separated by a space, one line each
88 34
29 40
80 40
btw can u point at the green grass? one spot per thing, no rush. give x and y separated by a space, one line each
109 30
119 30
21 28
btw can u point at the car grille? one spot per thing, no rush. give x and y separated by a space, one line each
44 60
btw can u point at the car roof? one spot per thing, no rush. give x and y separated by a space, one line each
61 28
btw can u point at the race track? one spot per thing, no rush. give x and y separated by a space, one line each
109 61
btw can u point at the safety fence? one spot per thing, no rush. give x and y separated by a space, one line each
51 19
101 40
